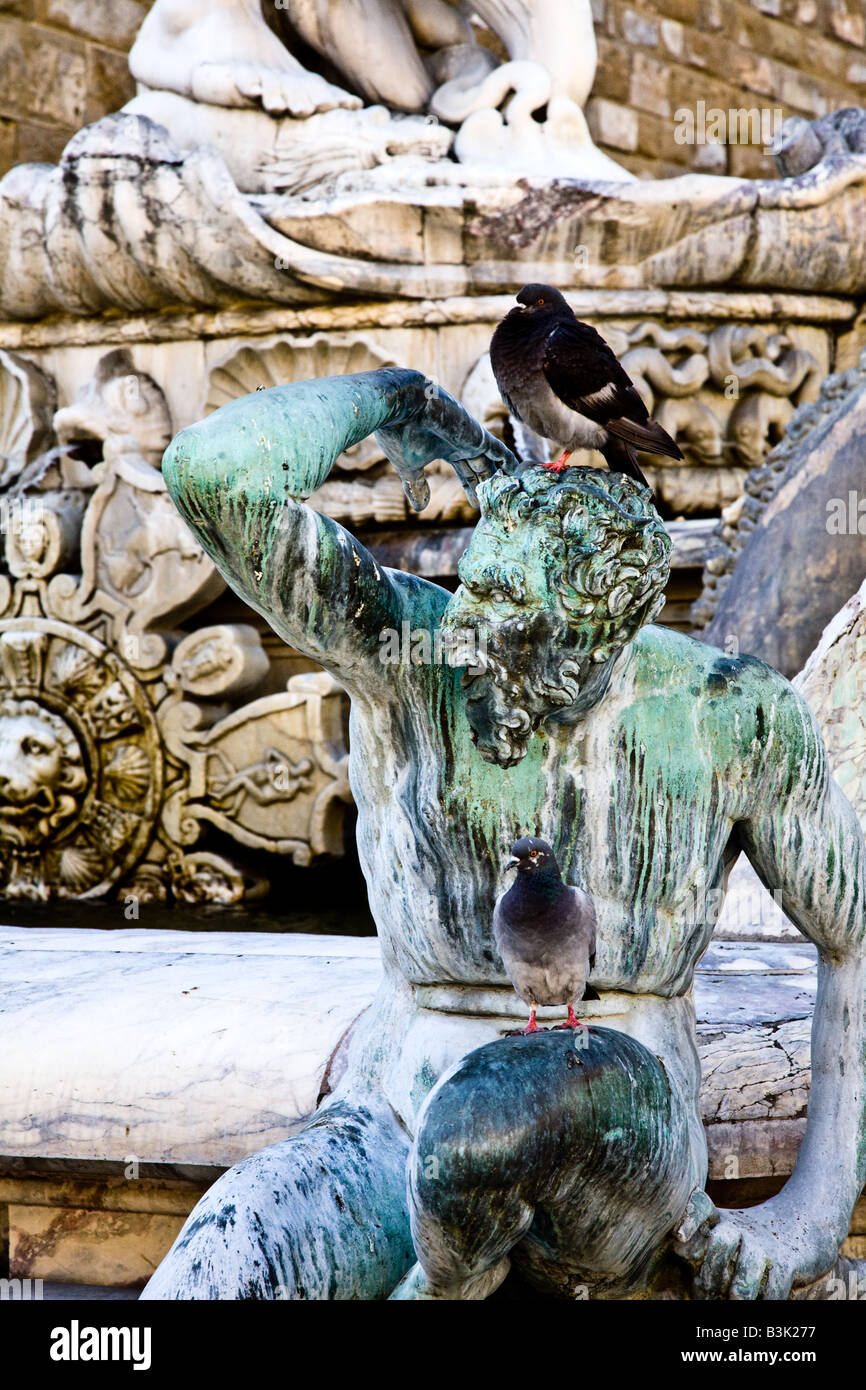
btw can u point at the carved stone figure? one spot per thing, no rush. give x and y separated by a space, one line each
97 795
220 661
561 728
81 770
273 768
42 771
224 55
116 404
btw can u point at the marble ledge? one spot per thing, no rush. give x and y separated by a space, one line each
249 319
197 1048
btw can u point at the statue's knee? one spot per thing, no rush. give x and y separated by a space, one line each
534 1125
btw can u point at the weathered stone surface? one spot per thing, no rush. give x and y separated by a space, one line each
114 22
109 83
42 73
796 547
833 681
292 249
87 1247
247 1024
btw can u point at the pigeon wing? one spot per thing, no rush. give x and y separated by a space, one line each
584 919
584 373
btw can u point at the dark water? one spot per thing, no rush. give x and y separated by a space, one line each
352 920
328 898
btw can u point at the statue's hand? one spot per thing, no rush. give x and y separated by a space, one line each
442 429
751 1253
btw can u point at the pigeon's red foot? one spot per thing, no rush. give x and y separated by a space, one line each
532 1026
571 1021
561 463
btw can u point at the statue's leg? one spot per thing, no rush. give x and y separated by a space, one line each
557 34
320 1216
569 1155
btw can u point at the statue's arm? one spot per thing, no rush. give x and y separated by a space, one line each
808 843
804 839
240 479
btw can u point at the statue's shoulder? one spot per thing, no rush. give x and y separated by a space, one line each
663 659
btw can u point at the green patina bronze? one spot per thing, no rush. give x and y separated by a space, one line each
647 759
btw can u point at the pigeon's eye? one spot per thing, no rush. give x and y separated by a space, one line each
533 854
539 301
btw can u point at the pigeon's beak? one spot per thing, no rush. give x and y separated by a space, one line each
512 863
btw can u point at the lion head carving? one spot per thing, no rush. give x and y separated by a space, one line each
41 772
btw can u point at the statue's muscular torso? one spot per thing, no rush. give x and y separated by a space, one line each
640 799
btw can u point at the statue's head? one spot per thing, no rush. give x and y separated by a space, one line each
560 574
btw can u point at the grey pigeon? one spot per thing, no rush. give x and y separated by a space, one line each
545 932
561 379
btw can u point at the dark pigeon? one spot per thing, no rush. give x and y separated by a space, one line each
545 932
559 378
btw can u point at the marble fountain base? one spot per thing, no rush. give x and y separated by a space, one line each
136 1065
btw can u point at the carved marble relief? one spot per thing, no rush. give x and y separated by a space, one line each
112 768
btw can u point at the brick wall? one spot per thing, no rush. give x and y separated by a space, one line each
62 64
656 57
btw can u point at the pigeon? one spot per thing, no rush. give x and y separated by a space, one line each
559 378
545 932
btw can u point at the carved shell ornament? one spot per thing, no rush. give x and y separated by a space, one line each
80 762
278 361
27 402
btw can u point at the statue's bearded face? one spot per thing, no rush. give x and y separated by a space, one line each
558 578
531 663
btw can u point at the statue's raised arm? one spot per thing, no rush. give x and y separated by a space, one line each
240 478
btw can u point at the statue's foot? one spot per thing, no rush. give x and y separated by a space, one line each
281 91
224 53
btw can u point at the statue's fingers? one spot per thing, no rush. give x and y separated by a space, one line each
417 490
777 1285
714 1277
752 1272
467 478
484 466
700 1216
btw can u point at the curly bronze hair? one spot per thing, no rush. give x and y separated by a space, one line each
603 539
